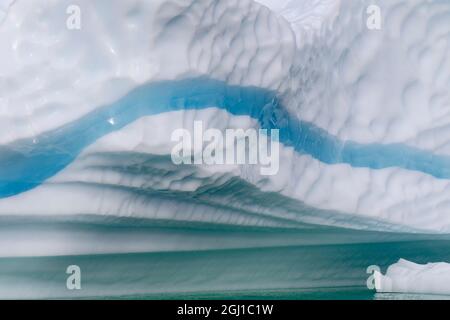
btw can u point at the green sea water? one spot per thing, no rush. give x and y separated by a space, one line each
204 262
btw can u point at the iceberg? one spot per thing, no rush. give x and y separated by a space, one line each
91 94
408 277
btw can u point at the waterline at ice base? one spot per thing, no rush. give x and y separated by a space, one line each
280 149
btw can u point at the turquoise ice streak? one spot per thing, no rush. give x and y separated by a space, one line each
26 164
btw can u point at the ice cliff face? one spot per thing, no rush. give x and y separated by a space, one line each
370 108
86 116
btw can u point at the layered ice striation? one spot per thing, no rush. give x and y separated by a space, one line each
86 117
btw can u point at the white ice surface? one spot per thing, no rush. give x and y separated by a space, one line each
50 75
389 85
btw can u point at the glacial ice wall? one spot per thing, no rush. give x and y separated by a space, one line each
86 118
361 110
